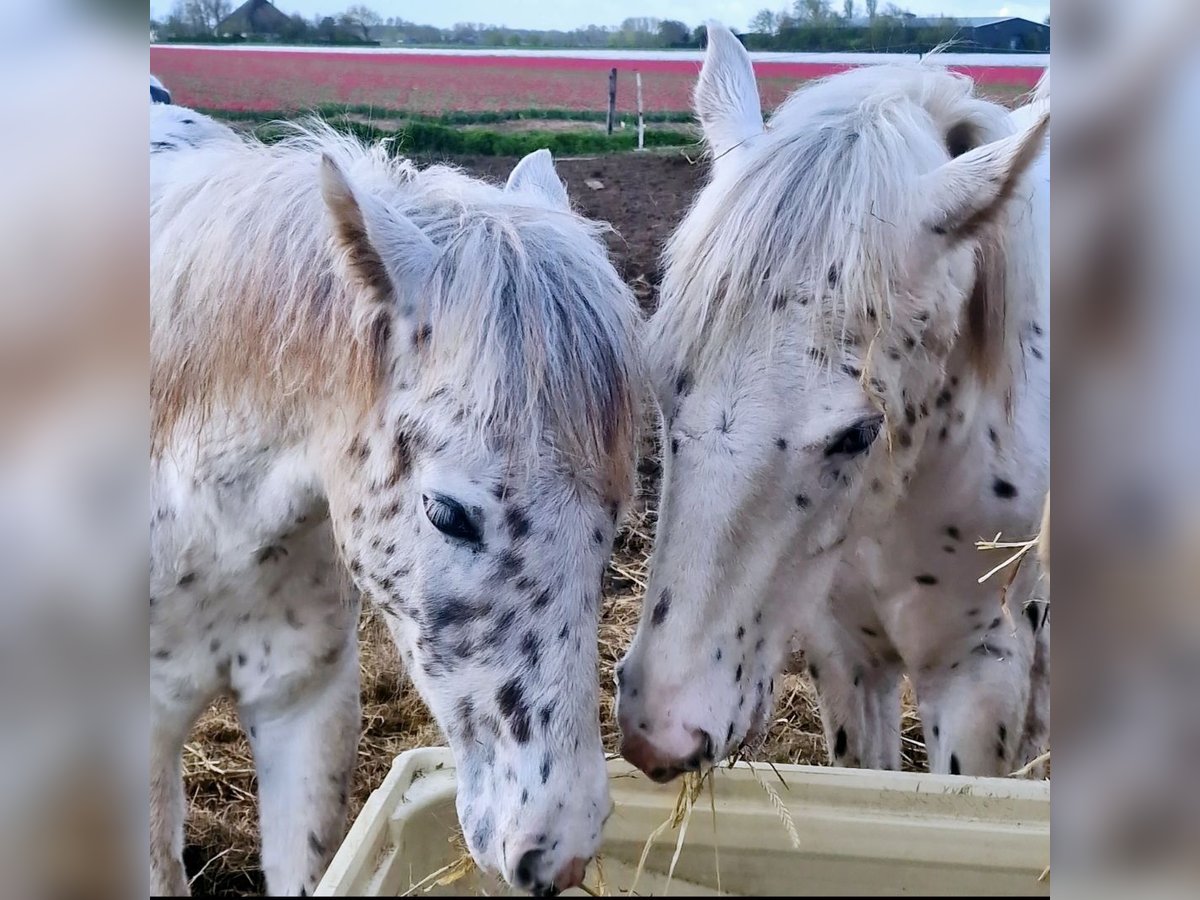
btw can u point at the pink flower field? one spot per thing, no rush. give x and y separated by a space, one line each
268 80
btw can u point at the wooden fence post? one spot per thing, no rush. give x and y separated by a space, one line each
612 98
641 121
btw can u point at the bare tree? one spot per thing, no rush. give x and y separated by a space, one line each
872 8
764 22
848 10
203 16
363 18
818 12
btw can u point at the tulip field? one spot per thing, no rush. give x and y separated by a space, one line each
280 79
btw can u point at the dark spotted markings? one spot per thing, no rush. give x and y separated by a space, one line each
448 612
839 744
781 443
517 522
953 533
513 707
402 451
509 564
545 772
802 501
315 844
1003 489
482 834
271 553
661 608
187 579
531 648
926 579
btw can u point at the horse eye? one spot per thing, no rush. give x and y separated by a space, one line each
448 517
856 439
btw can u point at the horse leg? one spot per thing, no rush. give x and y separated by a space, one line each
168 731
881 749
304 751
974 707
1035 738
838 674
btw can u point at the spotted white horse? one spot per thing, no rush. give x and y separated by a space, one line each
421 380
850 358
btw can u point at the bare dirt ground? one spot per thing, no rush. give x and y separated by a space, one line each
643 197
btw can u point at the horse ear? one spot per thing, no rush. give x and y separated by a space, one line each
726 96
535 174
968 192
384 251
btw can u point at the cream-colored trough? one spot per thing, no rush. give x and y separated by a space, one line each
861 833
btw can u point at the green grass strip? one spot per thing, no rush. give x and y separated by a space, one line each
425 137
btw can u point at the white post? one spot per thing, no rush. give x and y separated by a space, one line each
641 123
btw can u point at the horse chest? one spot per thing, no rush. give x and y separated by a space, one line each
915 578
246 595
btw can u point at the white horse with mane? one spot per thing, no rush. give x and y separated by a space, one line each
851 361
416 378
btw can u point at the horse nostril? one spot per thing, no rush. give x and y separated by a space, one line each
526 868
708 751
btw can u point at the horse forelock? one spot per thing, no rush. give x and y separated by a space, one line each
524 309
528 315
814 213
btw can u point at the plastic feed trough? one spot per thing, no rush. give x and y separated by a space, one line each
861 833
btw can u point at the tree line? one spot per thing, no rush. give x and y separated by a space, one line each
805 25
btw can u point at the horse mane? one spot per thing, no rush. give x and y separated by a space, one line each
249 300
810 213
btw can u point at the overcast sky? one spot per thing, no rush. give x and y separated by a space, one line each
567 14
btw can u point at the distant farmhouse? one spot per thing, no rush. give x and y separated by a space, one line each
261 20
998 33
254 19
1006 33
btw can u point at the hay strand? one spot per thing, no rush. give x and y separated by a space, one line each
780 807
1031 765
